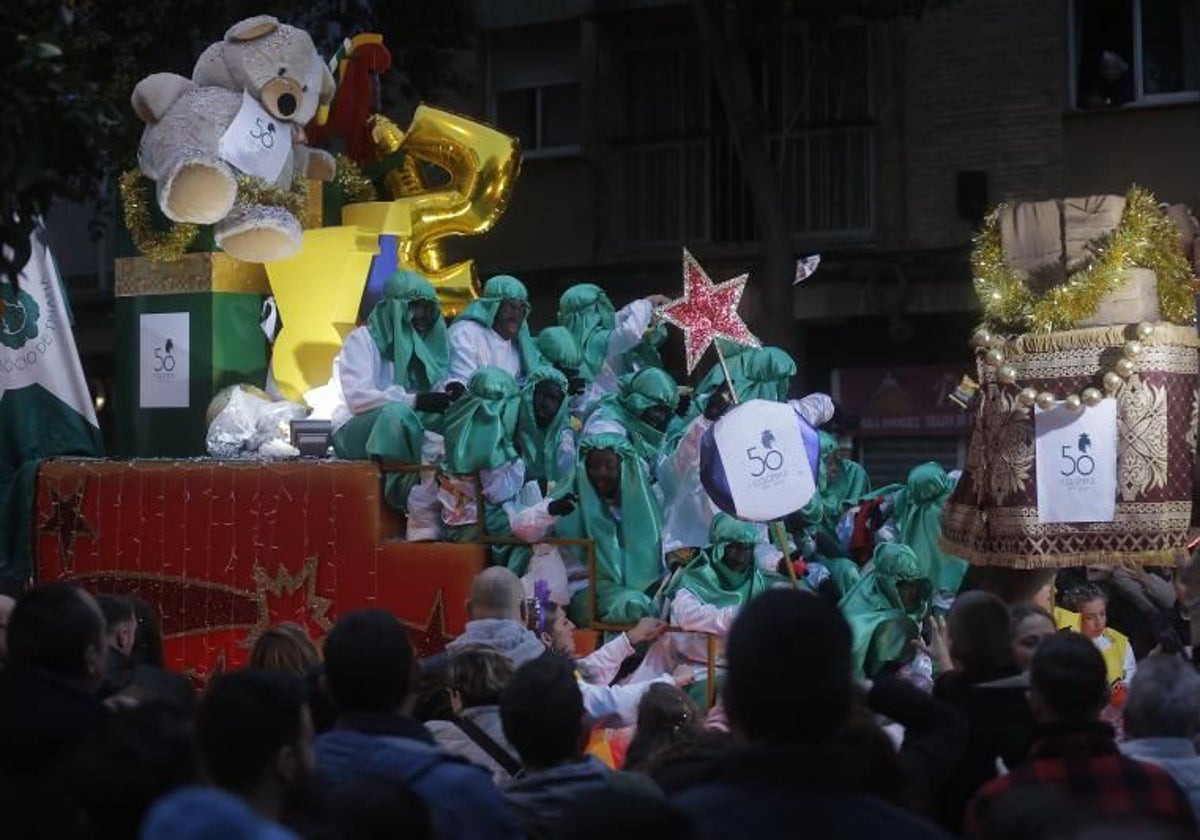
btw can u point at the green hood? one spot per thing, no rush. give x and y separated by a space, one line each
881 625
709 579
559 348
538 447
481 424
714 377
646 354
918 516
638 392
483 311
587 312
419 362
629 550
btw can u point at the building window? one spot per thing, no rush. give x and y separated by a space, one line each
1134 51
545 118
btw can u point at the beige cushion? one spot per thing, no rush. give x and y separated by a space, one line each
1134 302
1087 222
1032 235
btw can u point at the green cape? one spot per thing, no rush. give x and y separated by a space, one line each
918 516
709 579
586 311
882 628
539 447
638 392
480 426
629 561
646 354
419 362
483 310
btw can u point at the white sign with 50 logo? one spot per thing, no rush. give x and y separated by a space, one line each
1077 463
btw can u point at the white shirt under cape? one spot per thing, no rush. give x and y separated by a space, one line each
630 325
472 346
362 379
688 613
614 705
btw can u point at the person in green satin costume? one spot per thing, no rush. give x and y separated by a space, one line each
560 349
758 373
722 576
493 331
407 332
618 511
642 409
588 314
646 354
542 423
886 608
918 517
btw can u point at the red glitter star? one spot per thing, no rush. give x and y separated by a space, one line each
707 311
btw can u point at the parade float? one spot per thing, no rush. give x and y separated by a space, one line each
258 251
1085 420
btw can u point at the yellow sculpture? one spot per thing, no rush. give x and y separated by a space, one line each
318 292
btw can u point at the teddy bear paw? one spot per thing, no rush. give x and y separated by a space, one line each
198 190
259 234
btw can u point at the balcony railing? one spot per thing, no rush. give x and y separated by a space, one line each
692 189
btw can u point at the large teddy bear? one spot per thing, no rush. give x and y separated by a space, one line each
183 150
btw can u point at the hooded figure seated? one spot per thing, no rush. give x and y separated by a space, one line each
705 597
608 340
545 439
886 608
385 376
492 332
560 351
640 411
608 499
479 431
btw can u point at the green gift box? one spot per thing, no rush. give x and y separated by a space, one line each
185 330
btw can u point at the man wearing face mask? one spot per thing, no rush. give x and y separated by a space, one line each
386 373
705 597
492 332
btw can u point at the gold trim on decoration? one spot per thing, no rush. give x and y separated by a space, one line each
189 274
1145 238
1157 557
356 187
158 245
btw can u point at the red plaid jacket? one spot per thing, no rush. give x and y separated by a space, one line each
1082 762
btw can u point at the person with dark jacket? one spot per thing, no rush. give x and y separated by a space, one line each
543 718
984 686
790 696
1075 755
120 625
369 666
48 705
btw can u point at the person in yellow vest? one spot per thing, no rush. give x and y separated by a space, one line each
1092 621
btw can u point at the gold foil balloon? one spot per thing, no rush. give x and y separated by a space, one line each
482 164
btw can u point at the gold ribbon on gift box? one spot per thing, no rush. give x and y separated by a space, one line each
191 273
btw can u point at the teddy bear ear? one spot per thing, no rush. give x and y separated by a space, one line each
251 28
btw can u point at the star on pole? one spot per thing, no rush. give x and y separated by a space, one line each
707 311
66 521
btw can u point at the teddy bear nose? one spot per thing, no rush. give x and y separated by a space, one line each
286 105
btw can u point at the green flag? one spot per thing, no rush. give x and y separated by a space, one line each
45 407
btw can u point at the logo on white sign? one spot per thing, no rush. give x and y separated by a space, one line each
1077 463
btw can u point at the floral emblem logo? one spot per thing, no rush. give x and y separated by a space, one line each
18 317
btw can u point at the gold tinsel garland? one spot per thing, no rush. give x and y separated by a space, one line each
1145 238
356 187
158 245
171 244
